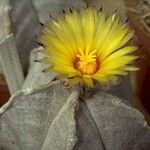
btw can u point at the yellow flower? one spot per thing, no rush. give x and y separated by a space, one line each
86 46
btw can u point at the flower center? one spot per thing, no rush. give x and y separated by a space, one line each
86 63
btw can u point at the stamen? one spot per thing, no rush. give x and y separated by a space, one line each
86 63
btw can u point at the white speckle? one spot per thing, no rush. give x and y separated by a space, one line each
145 124
70 141
7 8
28 91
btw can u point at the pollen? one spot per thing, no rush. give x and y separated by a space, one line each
86 64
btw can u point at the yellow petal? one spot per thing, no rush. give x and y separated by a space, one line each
120 53
74 81
88 80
